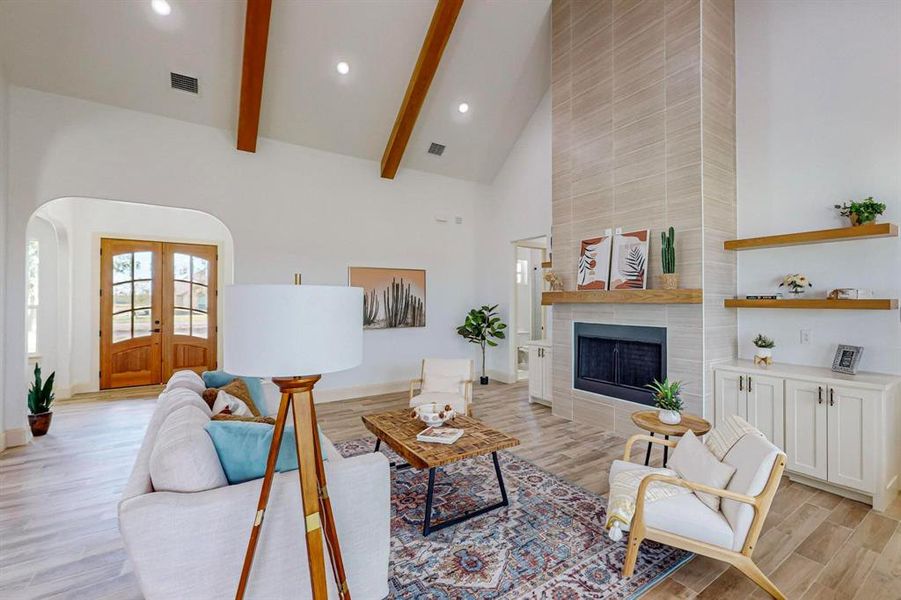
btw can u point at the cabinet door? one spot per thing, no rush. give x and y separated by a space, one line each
853 418
729 396
547 365
766 406
536 373
805 427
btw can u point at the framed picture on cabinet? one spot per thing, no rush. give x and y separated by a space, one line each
846 359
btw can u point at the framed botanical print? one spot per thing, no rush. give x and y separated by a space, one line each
629 261
594 263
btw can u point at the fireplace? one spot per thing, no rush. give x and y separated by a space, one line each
618 360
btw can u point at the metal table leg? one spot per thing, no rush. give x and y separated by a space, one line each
647 455
427 525
665 451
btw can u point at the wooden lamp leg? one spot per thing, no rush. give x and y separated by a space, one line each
313 489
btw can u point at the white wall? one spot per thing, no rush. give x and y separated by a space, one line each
72 347
289 209
520 208
4 183
43 232
819 122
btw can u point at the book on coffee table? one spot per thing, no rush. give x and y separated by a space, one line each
439 435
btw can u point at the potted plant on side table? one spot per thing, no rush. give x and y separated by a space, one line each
668 400
481 325
40 399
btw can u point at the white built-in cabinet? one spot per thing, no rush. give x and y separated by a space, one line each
540 371
839 432
758 399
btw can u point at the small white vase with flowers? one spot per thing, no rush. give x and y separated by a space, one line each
796 283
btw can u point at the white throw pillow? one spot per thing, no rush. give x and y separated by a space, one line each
186 379
184 458
225 400
693 461
442 383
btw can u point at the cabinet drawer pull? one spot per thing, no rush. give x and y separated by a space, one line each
819 394
749 383
741 383
831 397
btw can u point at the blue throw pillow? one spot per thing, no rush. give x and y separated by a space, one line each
243 447
218 379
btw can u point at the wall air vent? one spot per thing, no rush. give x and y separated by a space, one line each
185 83
436 149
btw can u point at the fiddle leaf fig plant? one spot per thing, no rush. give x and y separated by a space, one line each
482 326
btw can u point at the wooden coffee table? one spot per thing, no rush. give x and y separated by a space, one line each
398 430
648 420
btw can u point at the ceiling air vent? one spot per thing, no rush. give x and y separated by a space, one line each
436 149
185 83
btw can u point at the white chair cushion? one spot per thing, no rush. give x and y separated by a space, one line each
694 462
753 458
186 379
448 374
457 402
184 458
683 515
442 383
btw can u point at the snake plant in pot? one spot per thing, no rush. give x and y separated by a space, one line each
482 326
40 399
668 400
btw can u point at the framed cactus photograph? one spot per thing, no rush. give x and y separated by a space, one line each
392 298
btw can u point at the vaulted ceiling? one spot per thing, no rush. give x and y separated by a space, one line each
121 53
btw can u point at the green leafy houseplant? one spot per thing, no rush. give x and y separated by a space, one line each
666 394
482 326
40 399
762 341
861 212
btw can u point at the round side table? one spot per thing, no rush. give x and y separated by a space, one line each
648 420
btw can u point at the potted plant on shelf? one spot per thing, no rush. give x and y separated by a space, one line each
764 353
796 283
863 212
481 325
667 399
40 399
669 279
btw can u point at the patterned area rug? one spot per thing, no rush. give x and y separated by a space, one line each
549 543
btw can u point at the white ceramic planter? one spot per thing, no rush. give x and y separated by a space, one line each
764 352
670 417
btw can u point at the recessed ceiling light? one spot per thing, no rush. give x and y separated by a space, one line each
160 7
343 68
463 108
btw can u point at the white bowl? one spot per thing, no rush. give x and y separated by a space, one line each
430 414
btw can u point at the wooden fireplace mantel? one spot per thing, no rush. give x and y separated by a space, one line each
656 296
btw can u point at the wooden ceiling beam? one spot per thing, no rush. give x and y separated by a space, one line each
439 33
256 38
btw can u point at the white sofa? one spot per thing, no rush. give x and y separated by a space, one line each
191 543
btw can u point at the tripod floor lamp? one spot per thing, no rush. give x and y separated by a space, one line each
293 334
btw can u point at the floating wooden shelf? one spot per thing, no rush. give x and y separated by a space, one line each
842 234
691 296
816 303
546 264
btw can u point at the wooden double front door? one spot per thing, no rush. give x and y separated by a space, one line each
157 311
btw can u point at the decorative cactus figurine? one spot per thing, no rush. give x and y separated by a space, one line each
670 278
370 308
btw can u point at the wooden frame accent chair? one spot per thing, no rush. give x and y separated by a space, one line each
735 528
444 381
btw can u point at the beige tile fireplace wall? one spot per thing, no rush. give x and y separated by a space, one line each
631 149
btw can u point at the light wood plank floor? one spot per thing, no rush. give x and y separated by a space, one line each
58 496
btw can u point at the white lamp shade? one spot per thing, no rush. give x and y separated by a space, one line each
292 330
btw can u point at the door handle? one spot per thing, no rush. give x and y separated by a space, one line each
741 383
819 394
831 396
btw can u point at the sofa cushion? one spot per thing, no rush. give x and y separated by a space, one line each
184 458
231 405
220 379
187 380
753 458
694 462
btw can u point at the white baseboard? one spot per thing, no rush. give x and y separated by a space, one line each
502 376
16 437
359 391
